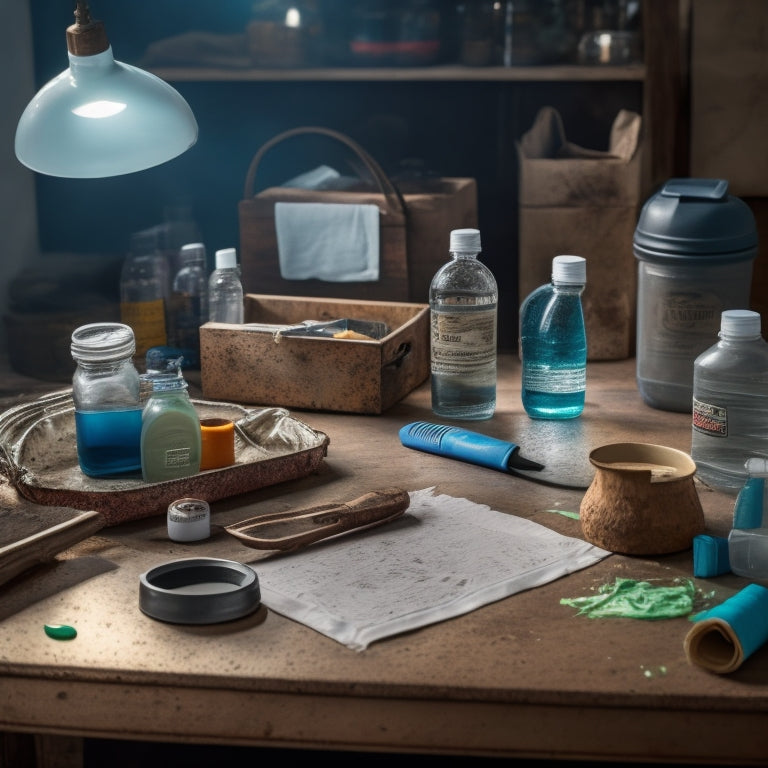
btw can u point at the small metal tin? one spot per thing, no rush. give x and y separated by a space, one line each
189 520
201 590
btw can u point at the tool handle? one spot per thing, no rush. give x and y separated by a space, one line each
458 443
291 530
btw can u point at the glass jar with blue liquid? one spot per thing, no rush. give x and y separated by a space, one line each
108 407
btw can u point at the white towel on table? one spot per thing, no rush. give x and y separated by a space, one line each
335 242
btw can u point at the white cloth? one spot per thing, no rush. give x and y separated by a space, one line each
335 242
442 558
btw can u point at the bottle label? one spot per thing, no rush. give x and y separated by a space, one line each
710 419
147 318
462 340
554 380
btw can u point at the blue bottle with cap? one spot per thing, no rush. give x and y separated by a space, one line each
553 343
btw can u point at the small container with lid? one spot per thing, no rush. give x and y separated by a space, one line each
189 520
105 390
695 245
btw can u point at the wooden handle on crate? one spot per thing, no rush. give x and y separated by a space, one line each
386 187
291 530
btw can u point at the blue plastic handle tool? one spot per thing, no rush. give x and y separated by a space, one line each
465 445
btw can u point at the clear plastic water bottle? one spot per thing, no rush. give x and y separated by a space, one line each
189 303
463 302
730 402
225 291
553 343
748 539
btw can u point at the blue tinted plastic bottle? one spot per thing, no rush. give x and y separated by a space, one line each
553 343
105 390
463 301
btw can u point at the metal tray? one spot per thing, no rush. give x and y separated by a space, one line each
38 455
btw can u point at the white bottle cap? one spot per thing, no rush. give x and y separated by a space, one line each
191 252
569 269
189 520
740 323
226 258
465 240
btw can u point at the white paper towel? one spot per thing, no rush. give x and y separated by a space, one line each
444 557
335 242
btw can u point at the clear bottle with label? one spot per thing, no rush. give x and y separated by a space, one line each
553 343
225 291
748 539
171 443
105 390
730 402
189 303
463 302
144 284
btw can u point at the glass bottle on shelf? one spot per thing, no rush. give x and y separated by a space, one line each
144 281
189 303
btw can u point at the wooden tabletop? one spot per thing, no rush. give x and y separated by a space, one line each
524 676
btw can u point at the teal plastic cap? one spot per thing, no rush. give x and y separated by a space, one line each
695 220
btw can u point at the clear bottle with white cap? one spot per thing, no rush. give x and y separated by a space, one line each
225 290
463 301
553 343
730 402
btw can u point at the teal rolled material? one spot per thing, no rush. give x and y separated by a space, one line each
725 636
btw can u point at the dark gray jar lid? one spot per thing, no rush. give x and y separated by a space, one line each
695 220
202 590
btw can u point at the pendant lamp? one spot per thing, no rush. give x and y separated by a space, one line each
101 117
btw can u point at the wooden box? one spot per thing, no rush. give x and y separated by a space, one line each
250 364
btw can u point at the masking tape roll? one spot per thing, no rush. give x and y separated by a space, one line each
725 636
218 443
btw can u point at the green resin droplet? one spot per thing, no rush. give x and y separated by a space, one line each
60 631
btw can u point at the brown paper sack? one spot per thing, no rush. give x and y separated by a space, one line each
585 202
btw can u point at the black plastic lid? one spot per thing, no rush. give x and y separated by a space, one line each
695 220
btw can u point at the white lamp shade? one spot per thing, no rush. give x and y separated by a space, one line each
102 117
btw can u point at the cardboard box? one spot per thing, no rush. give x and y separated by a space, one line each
245 364
584 202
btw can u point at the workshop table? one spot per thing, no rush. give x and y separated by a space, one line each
521 677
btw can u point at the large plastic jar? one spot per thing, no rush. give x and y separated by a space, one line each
695 245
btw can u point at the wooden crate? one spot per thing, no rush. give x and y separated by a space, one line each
246 364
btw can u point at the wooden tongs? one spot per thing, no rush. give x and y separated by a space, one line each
291 530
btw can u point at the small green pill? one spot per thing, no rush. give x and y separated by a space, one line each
60 631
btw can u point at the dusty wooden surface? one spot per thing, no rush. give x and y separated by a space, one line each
524 676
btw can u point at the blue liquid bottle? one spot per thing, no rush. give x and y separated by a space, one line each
105 390
553 343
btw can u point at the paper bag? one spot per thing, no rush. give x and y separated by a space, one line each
585 202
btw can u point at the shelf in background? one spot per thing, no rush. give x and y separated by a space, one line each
449 73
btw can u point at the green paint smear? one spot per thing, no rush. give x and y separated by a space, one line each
631 599
565 513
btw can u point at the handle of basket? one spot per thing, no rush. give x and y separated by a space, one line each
387 188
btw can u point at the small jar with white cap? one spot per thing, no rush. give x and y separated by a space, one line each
189 520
